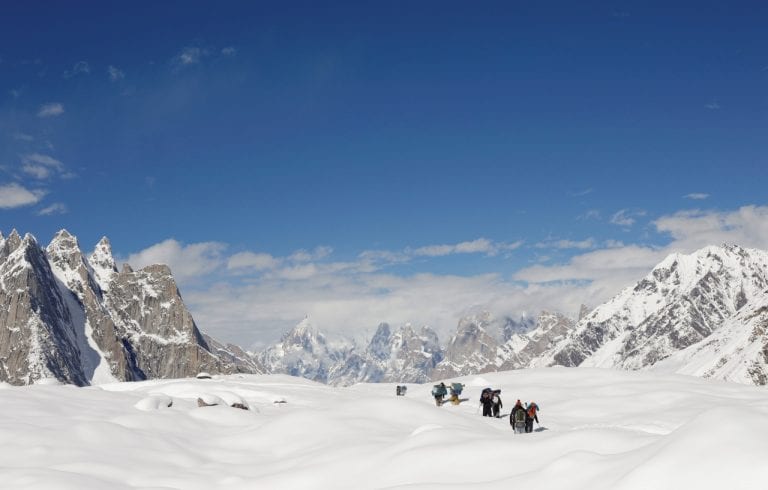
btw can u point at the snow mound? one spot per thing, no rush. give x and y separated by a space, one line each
154 402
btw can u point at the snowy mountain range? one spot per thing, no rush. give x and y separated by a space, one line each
704 314
78 319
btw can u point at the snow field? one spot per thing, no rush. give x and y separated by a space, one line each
600 429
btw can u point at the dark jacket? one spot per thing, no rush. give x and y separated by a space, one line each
515 409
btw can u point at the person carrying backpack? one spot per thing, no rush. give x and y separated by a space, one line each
439 391
486 399
497 405
517 417
531 410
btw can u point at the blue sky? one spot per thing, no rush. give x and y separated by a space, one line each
363 162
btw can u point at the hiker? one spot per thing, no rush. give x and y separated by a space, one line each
517 417
456 389
530 415
497 405
486 399
439 391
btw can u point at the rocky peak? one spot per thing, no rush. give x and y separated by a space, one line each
583 311
103 263
68 263
379 347
11 244
64 247
304 335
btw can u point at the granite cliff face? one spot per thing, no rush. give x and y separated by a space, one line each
81 321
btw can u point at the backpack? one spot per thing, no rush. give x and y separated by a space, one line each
438 390
520 415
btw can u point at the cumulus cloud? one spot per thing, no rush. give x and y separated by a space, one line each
14 196
352 298
347 305
691 230
254 261
186 261
51 110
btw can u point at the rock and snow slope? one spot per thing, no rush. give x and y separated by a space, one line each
682 303
78 319
600 430
81 321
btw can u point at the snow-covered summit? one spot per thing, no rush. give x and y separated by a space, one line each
103 263
682 301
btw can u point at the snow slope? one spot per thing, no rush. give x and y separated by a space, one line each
600 429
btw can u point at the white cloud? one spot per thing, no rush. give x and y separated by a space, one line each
626 217
77 69
254 261
14 195
187 262
581 193
40 166
691 230
229 51
697 196
23 137
481 245
594 277
567 244
51 110
304 256
55 208
115 74
189 56
712 106
344 304
591 214
353 297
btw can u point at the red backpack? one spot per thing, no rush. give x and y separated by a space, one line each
532 410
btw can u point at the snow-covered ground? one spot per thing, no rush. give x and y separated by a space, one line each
600 429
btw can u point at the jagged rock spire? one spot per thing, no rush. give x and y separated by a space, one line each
103 263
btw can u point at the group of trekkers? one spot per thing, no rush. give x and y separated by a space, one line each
521 418
441 390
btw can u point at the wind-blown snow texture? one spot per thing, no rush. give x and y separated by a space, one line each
599 429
